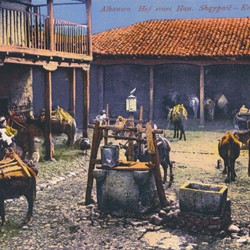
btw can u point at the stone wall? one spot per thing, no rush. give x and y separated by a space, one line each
15 84
193 222
196 222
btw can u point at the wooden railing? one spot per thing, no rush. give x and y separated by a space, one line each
70 37
31 30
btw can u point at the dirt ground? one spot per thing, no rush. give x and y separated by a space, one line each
194 160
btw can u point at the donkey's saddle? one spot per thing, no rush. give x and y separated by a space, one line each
12 166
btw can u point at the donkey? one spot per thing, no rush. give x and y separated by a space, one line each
17 186
141 153
177 115
229 151
194 104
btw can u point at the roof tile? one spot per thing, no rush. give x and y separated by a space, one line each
210 37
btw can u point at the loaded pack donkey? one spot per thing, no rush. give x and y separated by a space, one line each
177 116
229 151
16 179
242 119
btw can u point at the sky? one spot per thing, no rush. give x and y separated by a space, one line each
109 14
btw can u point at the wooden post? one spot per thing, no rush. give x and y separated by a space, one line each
89 18
131 135
106 132
202 117
107 115
73 97
97 136
48 109
158 178
85 103
131 147
140 124
151 93
100 88
50 7
36 33
141 114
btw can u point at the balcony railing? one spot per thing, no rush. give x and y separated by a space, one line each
31 30
70 37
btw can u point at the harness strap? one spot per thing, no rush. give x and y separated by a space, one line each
19 124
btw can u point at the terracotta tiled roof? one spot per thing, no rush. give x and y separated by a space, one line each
211 37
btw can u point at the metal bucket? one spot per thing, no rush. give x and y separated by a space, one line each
109 156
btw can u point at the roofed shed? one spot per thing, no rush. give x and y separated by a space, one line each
191 56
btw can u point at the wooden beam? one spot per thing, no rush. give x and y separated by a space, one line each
51 66
85 102
89 19
202 116
20 52
97 137
73 94
107 115
33 62
100 88
50 8
48 109
107 122
151 93
141 115
157 175
98 60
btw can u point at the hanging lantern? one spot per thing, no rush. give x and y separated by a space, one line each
131 104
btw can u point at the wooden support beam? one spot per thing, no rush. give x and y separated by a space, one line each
158 179
151 93
85 102
106 131
134 129
48 109
107 114
131 147
141 115
202 116
73 93
117 137
50 8
100 88
97 137
89 20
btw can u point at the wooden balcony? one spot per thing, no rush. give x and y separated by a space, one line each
29 35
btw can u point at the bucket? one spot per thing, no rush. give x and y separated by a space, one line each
109 156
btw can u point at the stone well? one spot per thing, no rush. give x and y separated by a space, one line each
124 190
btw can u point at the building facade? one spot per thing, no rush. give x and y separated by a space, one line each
40 59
